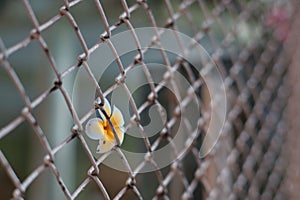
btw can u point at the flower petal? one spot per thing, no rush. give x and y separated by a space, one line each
117 117
120 131
94 129
105 145
106 108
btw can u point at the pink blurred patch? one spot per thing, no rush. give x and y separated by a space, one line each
278 19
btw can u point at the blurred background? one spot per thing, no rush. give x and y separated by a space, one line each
254 44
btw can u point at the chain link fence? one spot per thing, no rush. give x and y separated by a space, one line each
44 151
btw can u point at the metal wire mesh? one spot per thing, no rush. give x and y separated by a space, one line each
244 38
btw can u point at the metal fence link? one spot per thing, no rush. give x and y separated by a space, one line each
247 40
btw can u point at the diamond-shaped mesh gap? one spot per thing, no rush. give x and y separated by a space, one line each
44 151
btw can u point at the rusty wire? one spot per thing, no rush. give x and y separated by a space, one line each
252 159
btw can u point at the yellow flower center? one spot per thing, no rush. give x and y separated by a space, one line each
108 131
